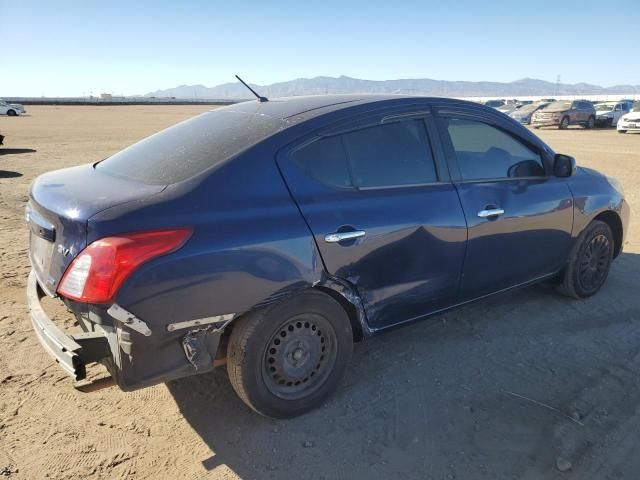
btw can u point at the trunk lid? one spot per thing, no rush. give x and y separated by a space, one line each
60 204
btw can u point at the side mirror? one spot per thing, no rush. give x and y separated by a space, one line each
564 165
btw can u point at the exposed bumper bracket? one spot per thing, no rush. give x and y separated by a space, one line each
72 352
129 319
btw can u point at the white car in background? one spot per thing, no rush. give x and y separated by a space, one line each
11 109
608 113
631 121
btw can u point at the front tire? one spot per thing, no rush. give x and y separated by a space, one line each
286 359
11 113
564 123
589 262
622 131
590 123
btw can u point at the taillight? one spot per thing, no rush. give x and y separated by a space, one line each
97 273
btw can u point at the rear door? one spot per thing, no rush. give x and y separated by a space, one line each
519 216
586 110
383 213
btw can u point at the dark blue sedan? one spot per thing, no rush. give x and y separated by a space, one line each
271 235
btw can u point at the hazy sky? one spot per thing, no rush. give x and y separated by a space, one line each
67 48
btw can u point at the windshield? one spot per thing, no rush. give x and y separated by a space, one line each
190 147
605 107
559 106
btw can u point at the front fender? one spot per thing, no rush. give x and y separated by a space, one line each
595 195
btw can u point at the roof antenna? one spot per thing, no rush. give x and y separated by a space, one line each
260 99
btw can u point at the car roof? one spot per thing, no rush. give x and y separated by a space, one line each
292 109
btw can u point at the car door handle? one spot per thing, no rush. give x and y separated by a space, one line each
492 212
342 236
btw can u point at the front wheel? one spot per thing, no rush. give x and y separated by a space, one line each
564 123
589 261
11 113
286 359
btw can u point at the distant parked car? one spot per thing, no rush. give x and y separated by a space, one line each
631 121
507 108
494 103
271 235
628 103
523 115
11 109
608 113
564 113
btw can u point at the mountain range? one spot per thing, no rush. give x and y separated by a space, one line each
418 86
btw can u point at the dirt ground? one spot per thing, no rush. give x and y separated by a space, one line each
528 385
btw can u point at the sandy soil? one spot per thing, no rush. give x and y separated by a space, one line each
520 386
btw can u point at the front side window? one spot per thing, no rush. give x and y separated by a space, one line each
387 155
486 152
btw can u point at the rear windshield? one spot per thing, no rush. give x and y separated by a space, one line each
190 147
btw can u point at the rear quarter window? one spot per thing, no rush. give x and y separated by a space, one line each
190 147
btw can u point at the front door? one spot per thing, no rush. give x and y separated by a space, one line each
519 217
384 216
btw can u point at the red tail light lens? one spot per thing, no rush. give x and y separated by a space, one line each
97 273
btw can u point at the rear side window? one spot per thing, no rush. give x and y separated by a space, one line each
486 152
387 155
190 147
391 154
326 161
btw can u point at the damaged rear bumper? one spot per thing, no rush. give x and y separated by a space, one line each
71 352
135 357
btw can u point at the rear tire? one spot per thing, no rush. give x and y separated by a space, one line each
622 131
286 359
589 262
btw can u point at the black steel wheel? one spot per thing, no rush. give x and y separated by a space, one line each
286 359
589 262
299 357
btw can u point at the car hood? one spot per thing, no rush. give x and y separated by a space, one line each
601 113
589 171
554 110
632 116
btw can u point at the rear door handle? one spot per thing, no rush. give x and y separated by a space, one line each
489 213
342 236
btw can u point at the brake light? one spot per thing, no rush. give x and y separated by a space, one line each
97 273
